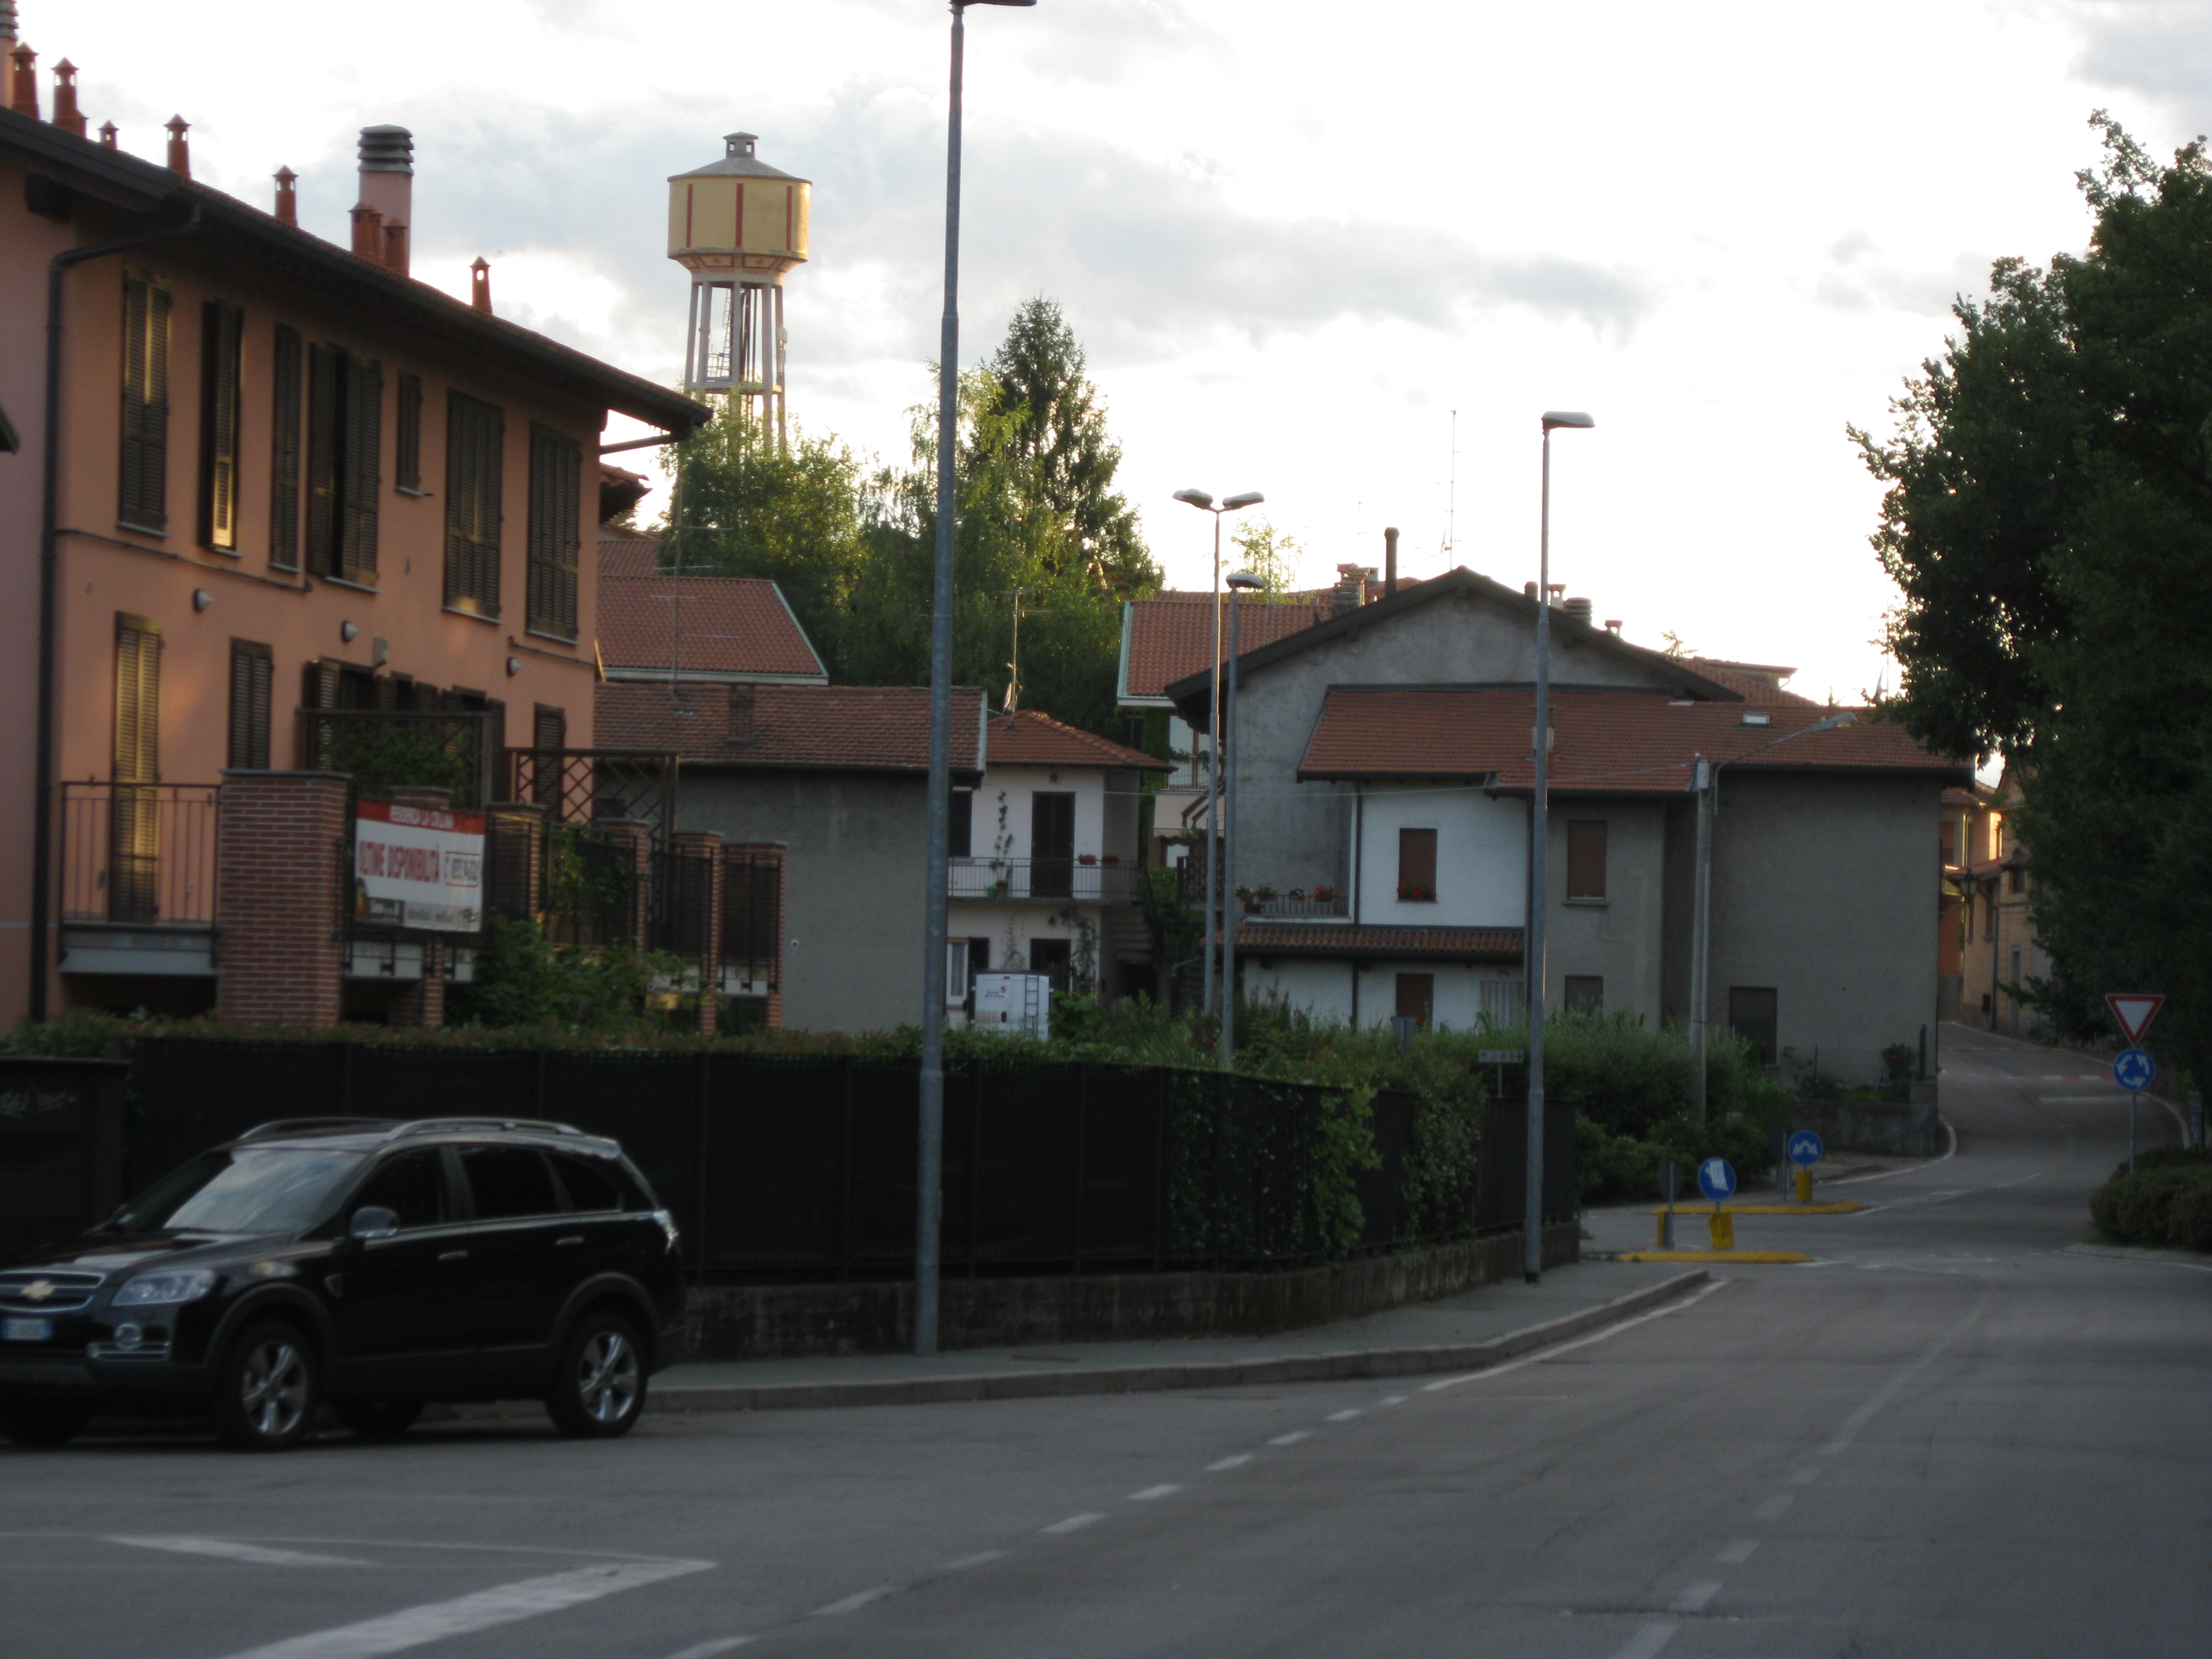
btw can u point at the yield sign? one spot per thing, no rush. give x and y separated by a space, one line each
2134 1011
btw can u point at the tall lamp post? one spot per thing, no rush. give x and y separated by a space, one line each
1532 1212
929 1172
1706 778
1240 582
1204 502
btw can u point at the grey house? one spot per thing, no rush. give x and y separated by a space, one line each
1385 759
839 776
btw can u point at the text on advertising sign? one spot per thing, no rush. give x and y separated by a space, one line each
418 868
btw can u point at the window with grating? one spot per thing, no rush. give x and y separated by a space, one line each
143 499
475 435
284 451
220 327
556 463
252 668
407 436
345 406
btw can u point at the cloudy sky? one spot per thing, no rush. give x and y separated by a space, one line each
1294 238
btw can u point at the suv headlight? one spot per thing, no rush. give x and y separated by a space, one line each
149 1289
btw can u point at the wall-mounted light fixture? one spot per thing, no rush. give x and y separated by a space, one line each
513 666
202 598
348 631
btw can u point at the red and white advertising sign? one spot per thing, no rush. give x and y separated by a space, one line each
420 867
2135 1009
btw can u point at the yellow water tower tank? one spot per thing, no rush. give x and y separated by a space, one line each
738 226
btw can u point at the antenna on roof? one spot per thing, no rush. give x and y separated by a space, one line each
1014 667
1451 494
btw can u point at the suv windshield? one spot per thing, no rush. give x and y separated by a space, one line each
240 1189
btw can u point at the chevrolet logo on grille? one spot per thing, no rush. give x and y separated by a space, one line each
37 1291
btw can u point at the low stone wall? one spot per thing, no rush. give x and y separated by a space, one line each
1866 1125
754 1322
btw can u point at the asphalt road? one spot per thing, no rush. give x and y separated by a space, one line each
1949 1437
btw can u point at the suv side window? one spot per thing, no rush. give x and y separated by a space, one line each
590 1182
412 1186
509 1181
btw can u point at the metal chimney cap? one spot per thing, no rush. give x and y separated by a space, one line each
741 143
387 150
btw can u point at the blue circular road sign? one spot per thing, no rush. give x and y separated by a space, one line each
2133 1069
1805 1148
1716 1179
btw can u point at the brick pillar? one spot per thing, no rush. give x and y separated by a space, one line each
700 852
279 852
424 1002
517 850
638 838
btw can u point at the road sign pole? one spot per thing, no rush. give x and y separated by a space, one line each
2134 1095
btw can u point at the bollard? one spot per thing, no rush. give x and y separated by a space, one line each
1804 1186
1723 1229
1666 1229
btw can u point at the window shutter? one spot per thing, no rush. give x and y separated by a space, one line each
219 329
284 453
1586 858
361 475
250 673
137 752
475 434
1417 863
407 434
143 499
326 388
556 482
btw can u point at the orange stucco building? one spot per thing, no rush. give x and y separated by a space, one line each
255 475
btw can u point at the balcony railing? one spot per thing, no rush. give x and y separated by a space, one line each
1333 908
1068 880
139 853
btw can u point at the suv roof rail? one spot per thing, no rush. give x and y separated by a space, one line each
430 1125
294 1125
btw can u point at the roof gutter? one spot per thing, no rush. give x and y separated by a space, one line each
42 829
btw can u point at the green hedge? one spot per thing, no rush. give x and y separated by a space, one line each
2166 1202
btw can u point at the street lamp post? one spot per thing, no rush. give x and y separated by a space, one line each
1240 582
1706 780
1532 1210
1204 502
929 1174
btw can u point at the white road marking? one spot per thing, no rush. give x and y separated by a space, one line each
1774 1507
855 1602
1804 1474
1400 1399
230 1549
1074 1522
1848 1430
1694 1596
1346 1416
436 1621
2115 1099
1151 1492
982 1556
1238 1460
1647 1642
1292 1437
1610 1331
1737 1551
709 1649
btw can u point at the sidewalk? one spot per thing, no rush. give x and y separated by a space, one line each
1461 1332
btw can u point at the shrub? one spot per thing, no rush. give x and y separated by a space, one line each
2168 1204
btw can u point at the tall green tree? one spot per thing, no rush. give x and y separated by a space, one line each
1270 553
2048 522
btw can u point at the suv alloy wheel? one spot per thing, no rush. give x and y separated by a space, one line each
598 1387
271 1385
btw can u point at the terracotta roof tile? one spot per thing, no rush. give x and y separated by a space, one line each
733 626
1029 738
863 728
1431 943
1604 743
1757 681
1171 635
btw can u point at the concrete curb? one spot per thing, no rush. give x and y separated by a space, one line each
1138 1379
2202 1263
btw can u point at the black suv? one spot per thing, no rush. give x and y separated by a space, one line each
370 1266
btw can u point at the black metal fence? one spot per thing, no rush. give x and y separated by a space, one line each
801 1170
385 748
141 854
61 1146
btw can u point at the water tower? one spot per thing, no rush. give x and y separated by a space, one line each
738 225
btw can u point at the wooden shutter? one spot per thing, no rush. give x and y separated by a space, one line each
360 474
1586 858
475 435
325 421
960 831
221 327
556 482
1417 864
252 668
407 434
284 453
142 497
137 750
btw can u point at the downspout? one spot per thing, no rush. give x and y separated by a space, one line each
1359 869
42 832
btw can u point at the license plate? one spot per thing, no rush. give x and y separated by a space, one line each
27 1330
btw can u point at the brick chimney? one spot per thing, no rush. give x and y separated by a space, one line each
67 116
388 187
24 97
480 284
180 152
107 135
368 233
288 199
1350 590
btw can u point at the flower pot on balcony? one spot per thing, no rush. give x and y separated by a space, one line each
1086 859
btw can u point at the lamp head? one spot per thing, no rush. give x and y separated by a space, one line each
1568 417
1245 581
1250 498
1196 497
959 4
1834 722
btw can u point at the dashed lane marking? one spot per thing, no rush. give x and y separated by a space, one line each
1292 1437
980 1558
1736 1552
1162 1490
1074 1522
1234 1461
855 1602
1774 1507
1647 1642
1694 1596
1804 1476
709 1649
